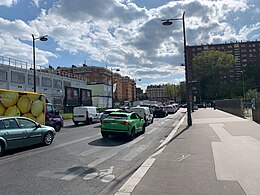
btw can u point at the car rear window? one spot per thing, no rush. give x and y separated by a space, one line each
117 116
108 112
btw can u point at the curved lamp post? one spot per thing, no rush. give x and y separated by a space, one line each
112 85
169 22
41 38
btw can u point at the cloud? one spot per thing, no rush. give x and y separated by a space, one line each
8 3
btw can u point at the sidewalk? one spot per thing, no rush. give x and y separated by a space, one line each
218 154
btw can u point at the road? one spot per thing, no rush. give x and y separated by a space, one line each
80 161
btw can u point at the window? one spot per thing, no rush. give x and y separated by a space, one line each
24 123
31 80
3 75
49 109
1 125
10 124
17 77
46 82
57 83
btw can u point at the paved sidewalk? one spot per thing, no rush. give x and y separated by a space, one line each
218 154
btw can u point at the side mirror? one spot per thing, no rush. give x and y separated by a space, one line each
56 112
38 126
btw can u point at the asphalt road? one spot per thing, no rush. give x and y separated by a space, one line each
80 161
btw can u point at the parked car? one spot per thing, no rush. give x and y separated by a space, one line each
85 114
108 111
143 112
160 111
17 132
122 123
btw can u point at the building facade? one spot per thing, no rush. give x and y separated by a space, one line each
157 93
244 52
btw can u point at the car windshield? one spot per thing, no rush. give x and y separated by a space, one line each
117 116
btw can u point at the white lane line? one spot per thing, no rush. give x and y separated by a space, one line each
41 150
149 132
134 152
133 181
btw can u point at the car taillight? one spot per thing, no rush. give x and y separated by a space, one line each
125 123
103 122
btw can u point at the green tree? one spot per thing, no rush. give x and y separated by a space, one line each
169 89
208 68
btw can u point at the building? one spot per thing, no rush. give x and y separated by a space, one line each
128 89
19 75
101 95
244 52
156 92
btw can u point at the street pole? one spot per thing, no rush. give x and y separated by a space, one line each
34 66
244 95
112 83
168 22
189 120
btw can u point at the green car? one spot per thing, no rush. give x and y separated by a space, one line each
122 123
17 132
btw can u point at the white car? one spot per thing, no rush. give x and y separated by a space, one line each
143 112
107 112
85 114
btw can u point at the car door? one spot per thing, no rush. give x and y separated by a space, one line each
33 133
137 120
12 133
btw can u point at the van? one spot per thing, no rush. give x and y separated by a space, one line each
85 114
53 117
143 112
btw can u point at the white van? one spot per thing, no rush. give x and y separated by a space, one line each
85 114
143 112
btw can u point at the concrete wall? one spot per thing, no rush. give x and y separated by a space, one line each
232 106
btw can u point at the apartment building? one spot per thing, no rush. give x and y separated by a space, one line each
244 52
156 92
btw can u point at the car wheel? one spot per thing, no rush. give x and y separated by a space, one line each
57 127
132 136
48 138
76 123
143 129
2 148
152 120
105 134
89 121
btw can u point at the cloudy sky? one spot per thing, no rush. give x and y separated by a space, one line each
125 34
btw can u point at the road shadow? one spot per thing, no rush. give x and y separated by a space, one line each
110 142
75 170
22 149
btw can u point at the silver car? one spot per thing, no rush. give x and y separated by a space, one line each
107 112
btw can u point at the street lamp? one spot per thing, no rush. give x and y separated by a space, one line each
41 38
243 77
112 85
168 22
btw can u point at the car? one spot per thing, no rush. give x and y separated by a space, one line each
108 111
122 123
85 114
17 132
171 109
143 112
160 111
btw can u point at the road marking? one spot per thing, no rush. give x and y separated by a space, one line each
104 175
151 131
133 181
237 158
81 170
41 150
134 152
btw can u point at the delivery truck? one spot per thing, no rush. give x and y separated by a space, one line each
31 105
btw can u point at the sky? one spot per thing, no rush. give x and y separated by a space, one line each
124 34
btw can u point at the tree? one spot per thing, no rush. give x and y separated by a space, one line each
208 68
169 89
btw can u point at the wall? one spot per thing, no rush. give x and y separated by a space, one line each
256 112
232 106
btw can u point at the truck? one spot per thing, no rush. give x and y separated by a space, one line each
31 105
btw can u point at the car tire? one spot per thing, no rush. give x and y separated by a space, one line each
2 148
143 129
57 127
105 134
48 138
132 136
89 121
152 121
76 123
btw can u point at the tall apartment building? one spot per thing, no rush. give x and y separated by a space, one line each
128 89
156 92
244 52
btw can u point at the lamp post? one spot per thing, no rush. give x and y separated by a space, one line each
135 88
112 85
41 38
243 77
168 22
